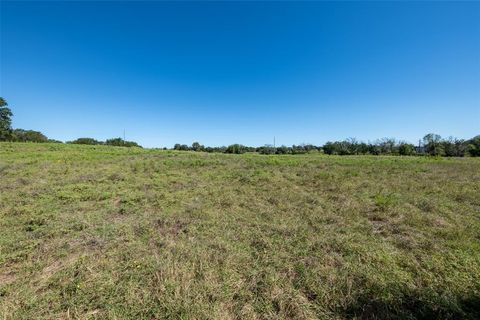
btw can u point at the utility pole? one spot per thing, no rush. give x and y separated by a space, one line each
123 134
273 141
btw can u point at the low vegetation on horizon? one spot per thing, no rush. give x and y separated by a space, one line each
431 144
104 232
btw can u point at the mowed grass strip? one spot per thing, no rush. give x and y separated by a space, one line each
124 233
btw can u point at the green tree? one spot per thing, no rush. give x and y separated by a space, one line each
119 142
267 149
454 147
474 146
387 145
236 148
197 147
181 147
22 135
406 149
433 144
5 120
282 150
89 141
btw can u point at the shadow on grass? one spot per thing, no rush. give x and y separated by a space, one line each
414 307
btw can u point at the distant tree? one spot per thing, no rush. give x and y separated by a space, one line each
283 150
351 145
340 147
132 144
363 148
329 148
309 147
406 149
461 147
298 149
5 120
267 149
473 146
121 143
387 146
182 147
115 142
236 149
21 135
374 148
197 147
54 141
433 144
89 141
454 147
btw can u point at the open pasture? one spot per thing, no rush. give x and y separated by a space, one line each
115 233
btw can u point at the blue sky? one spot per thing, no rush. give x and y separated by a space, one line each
222 73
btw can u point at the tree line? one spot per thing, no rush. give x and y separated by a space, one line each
7 133
431 144
119 142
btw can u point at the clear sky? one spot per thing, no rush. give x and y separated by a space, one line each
222 73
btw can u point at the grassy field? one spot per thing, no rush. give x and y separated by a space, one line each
116 233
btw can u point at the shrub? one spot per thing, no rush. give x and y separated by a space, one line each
89 141
473 146
121 143
236 149
406 149
267 149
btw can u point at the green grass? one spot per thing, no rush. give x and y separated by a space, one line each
116 233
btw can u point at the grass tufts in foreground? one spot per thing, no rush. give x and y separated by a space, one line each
96 232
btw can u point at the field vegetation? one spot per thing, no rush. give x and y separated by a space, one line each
102 232
431 144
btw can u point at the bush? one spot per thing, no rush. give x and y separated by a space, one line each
181 147
89 141
197 147
268 149
406 149
433 144
473 146
236 149
119 142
